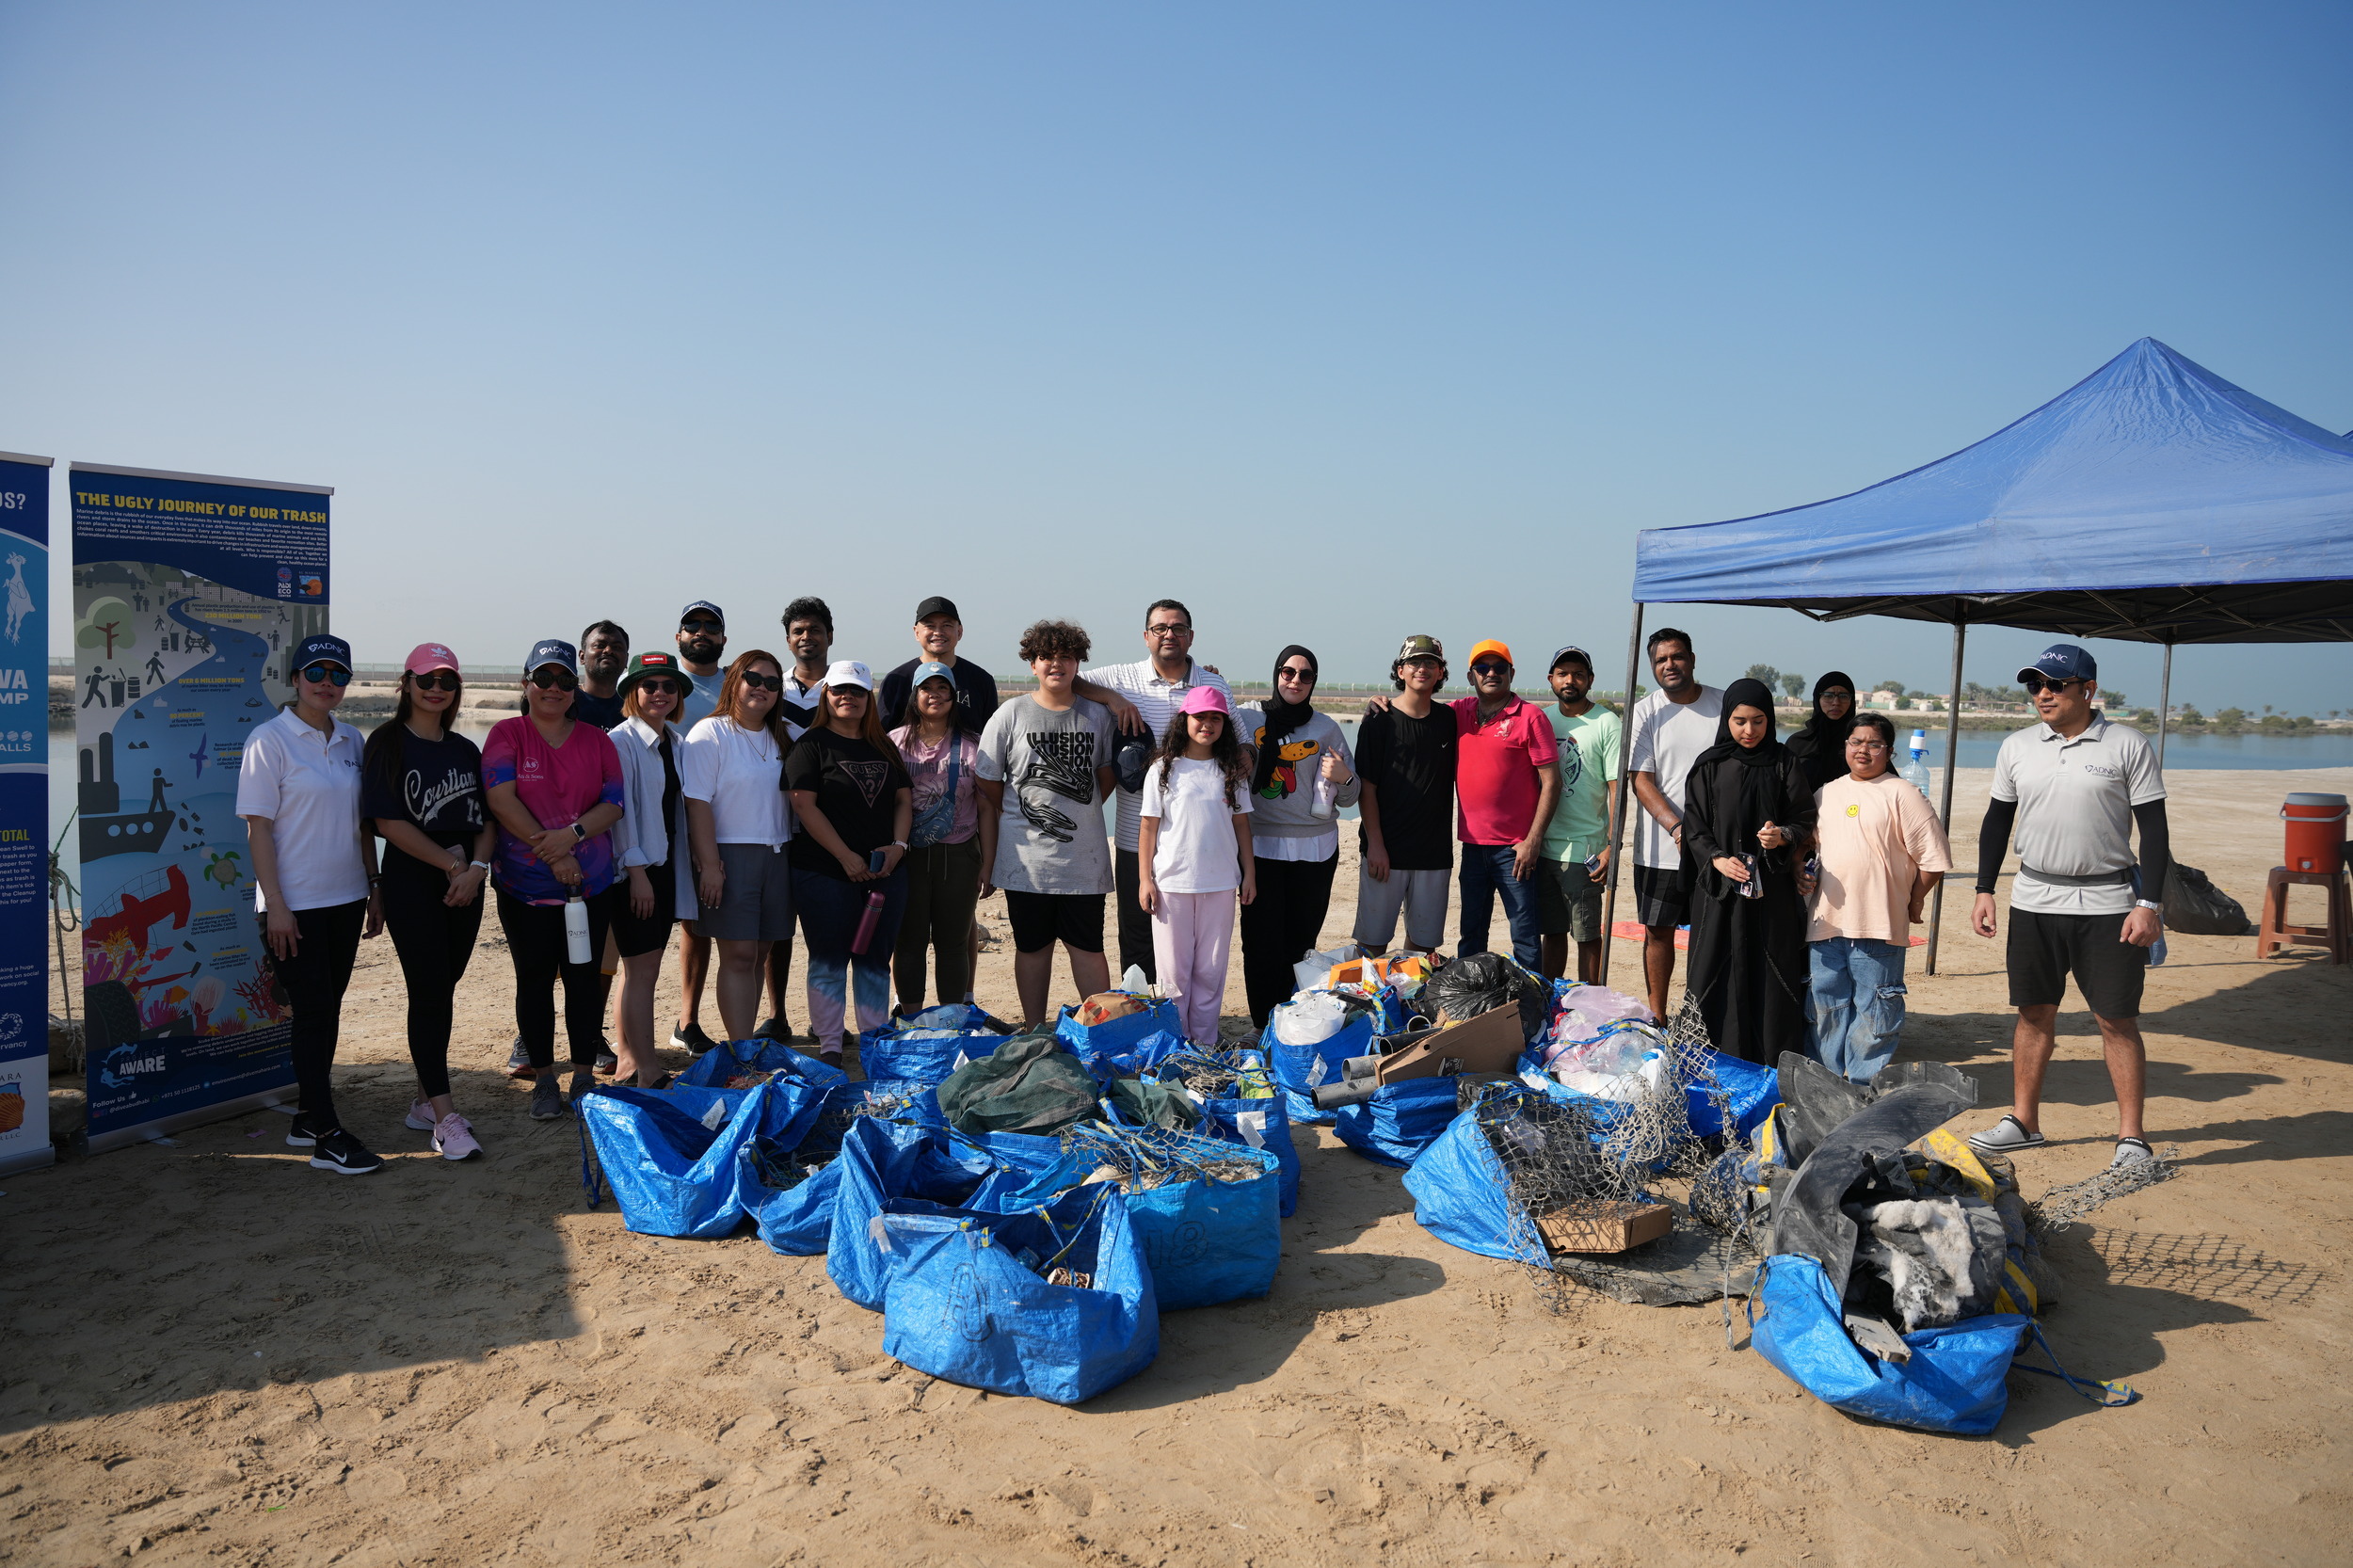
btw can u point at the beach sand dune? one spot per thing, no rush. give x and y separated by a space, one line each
219 1355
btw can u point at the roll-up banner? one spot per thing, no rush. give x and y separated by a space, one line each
190 594
24 941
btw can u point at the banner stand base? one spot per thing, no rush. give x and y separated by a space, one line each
279 1099
32 1159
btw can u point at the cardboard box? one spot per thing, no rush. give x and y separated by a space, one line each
1491 1043
1616 1227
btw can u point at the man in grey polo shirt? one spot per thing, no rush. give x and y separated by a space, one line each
2073 787
1142 697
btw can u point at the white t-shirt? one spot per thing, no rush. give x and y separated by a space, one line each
2076 801
1157 701
740 774
1198 852
1667 739
307 785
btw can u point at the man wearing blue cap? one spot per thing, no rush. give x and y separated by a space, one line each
2072 788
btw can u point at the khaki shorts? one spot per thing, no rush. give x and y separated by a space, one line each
1568 901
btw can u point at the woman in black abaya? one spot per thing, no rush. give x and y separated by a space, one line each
1747 796
1819 745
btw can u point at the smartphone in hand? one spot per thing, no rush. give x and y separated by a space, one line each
875 860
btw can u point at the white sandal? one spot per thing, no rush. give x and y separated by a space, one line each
2007 1136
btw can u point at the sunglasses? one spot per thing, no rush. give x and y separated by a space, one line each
435 680
1287 673
321 674
2036 684
760 682
662 688
1490 667
561 681
702 628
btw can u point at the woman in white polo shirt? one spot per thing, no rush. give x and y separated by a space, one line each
737 823
298 792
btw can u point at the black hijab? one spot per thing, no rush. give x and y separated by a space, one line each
1282 717
1822 735
1766 753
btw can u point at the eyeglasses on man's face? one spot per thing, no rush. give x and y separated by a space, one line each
1168 628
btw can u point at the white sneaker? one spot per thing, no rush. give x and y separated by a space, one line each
453 1138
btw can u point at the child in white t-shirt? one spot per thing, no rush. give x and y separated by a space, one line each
1192 850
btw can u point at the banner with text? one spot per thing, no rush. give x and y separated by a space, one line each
25 940
189 595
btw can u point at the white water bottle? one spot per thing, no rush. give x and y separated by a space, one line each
1916 771
1319 800
576 948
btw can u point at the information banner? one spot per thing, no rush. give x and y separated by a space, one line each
190 594
24 939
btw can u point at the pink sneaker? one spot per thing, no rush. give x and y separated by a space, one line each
421 1116
453 1138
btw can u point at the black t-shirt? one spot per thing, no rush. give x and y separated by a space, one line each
603 712
976 696
858 789
436 787
1409 762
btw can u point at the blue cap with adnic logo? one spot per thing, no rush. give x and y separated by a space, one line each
321 648
553 650
2062 662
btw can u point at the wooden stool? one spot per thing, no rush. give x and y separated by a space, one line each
2274 932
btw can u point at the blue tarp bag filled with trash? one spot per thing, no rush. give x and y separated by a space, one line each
928 1045
893 1168
1397 1125
737 1063
789 1190
1056 1304
1461 1194
670 1154
1118 1035
1239 1102
1308 1037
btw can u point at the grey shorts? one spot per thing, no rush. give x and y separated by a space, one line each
1419 895
1662 896
756 906
1568 900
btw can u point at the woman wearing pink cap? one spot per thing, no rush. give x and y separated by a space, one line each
1192 849
421 789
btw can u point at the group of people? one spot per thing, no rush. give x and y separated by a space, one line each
748 802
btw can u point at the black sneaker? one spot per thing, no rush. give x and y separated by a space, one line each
774 1029
301 1133
691 1037
340 1152
547 1098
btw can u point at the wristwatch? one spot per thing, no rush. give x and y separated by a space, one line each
898 843
2148 903
578 836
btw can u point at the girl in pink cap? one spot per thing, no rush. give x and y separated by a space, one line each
1192 850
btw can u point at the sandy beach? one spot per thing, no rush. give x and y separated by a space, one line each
225 1356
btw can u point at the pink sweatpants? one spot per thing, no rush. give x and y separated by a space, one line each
1192 937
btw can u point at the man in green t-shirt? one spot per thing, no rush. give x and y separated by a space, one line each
1584 824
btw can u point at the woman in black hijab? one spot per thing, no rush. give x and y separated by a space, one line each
1819 745
1304 777
1748 818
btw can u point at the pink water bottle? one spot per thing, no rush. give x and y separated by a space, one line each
866 922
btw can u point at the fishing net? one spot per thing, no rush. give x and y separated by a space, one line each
1138 1159
780 1169
2063 1206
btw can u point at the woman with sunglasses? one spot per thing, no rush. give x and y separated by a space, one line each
298 792
422 793
854 805
950 842
653 794
738 822
556 788
1303 775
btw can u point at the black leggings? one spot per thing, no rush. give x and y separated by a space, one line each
314 980
434 942
1279 928
535 937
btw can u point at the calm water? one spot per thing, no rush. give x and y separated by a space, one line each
1978 746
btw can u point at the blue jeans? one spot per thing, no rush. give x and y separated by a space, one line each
1857 1003
1487 872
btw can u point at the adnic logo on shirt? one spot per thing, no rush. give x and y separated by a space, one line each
2100 770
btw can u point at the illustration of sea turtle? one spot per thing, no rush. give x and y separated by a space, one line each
224 868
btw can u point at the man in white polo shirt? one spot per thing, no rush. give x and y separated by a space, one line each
1142 697
2073 787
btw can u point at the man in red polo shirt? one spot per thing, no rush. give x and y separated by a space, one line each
1507 780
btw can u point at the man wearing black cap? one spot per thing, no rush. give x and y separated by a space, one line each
2073 787
937 631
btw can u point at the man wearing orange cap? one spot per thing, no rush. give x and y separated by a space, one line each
1507 781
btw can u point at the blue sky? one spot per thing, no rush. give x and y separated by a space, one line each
1336 322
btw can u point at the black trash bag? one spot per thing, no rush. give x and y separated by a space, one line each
1028 1084
1484 982
2195 907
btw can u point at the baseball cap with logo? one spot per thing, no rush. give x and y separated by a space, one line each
930 669
2062 662
321 648
1419 647
849 672
650 662
431 656
703 607
553 650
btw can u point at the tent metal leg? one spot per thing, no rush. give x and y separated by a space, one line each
1944 806
1627 806
2165 704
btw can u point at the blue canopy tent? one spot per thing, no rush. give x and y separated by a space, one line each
2152 502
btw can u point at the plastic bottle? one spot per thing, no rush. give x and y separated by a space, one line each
1916 771
1319 800
576 948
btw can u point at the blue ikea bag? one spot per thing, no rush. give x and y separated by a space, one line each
963 1304
789 1190
928 1047
1261 1120
1750 1090
733 1058
1123 1046
1953 1383
670 1154
1400 1122
1301 1070
1461 1190
885 1171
